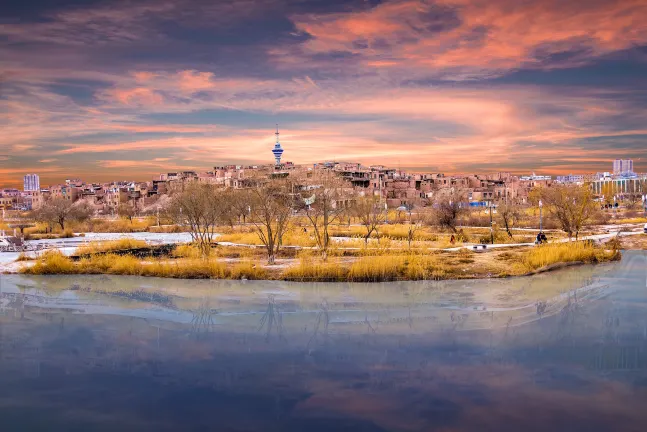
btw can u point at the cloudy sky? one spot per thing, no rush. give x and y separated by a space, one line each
107 90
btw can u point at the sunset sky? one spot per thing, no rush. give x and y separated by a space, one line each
107 90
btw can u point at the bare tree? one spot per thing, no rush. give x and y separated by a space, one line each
60 211
448 207
510 214
127 211
323 204
632 199
633 196
370 214
416 222
572 207
609 191
269 207
200 206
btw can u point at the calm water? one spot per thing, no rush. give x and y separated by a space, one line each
559 351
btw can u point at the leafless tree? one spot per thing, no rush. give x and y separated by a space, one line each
370 214
632 199
448 207
200 206
60 211
322 201
127 211
510 214
416 222
571 206
269 207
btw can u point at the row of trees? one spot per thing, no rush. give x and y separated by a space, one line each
268 208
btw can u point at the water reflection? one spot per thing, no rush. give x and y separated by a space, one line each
562 351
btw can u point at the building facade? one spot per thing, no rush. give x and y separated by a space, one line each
31 183
623 166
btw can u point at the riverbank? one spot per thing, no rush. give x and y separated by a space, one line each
346 266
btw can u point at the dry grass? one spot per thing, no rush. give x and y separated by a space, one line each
23 257
117 225
417 265
247 236
109 246
553 253
247 270
172 229
633 220
373 268
51 262
187 251
314 270
56 263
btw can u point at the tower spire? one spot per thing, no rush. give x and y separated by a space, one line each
277 151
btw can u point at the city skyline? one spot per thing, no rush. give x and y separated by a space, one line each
114 90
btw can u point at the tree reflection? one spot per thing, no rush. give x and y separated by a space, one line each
272 319
202 321
323 319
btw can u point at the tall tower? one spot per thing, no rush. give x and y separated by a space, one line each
277 151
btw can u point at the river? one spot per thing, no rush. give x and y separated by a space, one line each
565 350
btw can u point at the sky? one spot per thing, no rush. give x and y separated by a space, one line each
109 90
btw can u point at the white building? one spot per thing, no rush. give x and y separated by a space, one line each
535 177
31 183
623 166
571 179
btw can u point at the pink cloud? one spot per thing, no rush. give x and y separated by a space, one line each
489 35
137 96
191 81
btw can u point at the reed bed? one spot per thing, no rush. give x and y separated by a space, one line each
294 237
374 268
54 262
311 269
553 253
110 246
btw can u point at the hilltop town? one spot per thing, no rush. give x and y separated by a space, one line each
396 187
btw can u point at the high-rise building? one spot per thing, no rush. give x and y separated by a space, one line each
31 183
623 166
277 151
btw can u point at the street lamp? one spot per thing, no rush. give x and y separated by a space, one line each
541 204
491 225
